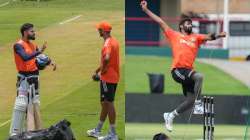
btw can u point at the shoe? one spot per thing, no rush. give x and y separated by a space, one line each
93 133
168 121
198 107
109 137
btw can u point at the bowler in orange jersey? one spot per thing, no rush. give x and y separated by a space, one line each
185 45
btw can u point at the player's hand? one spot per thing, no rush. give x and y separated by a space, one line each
96 77
45 45
223 34
144 5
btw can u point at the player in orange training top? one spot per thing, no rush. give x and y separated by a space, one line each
109 78
185 45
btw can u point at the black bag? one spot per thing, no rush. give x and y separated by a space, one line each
59 131
156 83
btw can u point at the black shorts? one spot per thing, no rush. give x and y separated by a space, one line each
183 76
107 91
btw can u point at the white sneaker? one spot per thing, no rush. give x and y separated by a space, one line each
108 137
93 133
198 107
168 121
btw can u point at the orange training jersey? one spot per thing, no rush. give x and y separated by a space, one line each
111 47
26 66
184 48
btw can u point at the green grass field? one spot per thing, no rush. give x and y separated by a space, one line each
145 131
16 13
75 46
215 80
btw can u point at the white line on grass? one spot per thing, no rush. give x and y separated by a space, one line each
3 124
4 4
71 19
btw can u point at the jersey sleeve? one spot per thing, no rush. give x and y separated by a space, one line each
201 38
169 33
26 57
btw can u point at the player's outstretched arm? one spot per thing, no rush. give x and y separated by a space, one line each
153 16
213 36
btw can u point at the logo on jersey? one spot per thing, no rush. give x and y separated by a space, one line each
188 43
193 39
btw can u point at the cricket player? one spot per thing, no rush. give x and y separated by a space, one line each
25 53
185 45
109 77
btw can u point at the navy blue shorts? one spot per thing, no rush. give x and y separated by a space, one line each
183 76
107 91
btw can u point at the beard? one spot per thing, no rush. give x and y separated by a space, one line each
188 30
31 37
